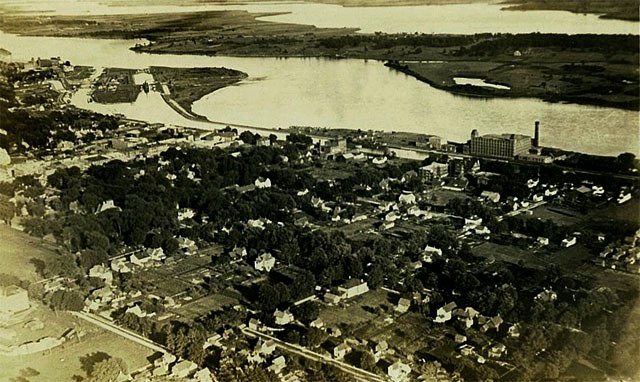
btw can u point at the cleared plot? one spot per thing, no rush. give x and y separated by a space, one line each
508 254
356 311
205 305
16 251
412 332
557 215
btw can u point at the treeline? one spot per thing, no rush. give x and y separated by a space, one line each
489 43
384 41
501 43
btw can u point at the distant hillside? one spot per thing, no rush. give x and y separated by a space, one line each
613 9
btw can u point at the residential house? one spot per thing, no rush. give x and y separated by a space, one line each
262 182
202 375
492 323
514 331
543 241
546 295
101 272
166 360
467 316
341 350
482 230
444 313
429 252
283 317
278 364
265 262
378 161
317 323
491 196
569 241
332 298
255 324
398 371
459 338
407 198
403 305
140 259
473 221
267 347
183 369
352 288
497 351
120 265
466 350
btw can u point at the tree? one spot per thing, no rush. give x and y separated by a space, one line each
107 370
306 312
67 300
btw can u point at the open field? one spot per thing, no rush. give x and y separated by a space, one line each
202 306
16 251
353 313
553 213
508 254
64 362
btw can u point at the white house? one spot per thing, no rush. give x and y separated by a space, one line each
262 182
398 371
278 364
543 240
407 198
444 313
490 195
352 288
265 262
341 350
183 368
568 242
482 230
403 305
283 317
537 198
101 272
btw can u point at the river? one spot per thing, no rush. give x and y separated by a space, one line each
345 93
452 18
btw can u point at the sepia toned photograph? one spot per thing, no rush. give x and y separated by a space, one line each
319 190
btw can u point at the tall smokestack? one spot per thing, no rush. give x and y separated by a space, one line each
536 135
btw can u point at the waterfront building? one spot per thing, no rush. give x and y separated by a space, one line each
499 145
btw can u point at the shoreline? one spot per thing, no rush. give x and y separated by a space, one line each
483 93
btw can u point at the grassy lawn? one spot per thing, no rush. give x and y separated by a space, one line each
64 362
352 312
204 305
508 254
16 251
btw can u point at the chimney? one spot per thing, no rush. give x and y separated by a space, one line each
536 135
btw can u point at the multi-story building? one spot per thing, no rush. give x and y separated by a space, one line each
499 145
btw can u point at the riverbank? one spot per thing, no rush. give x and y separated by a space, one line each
589 84
606 9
